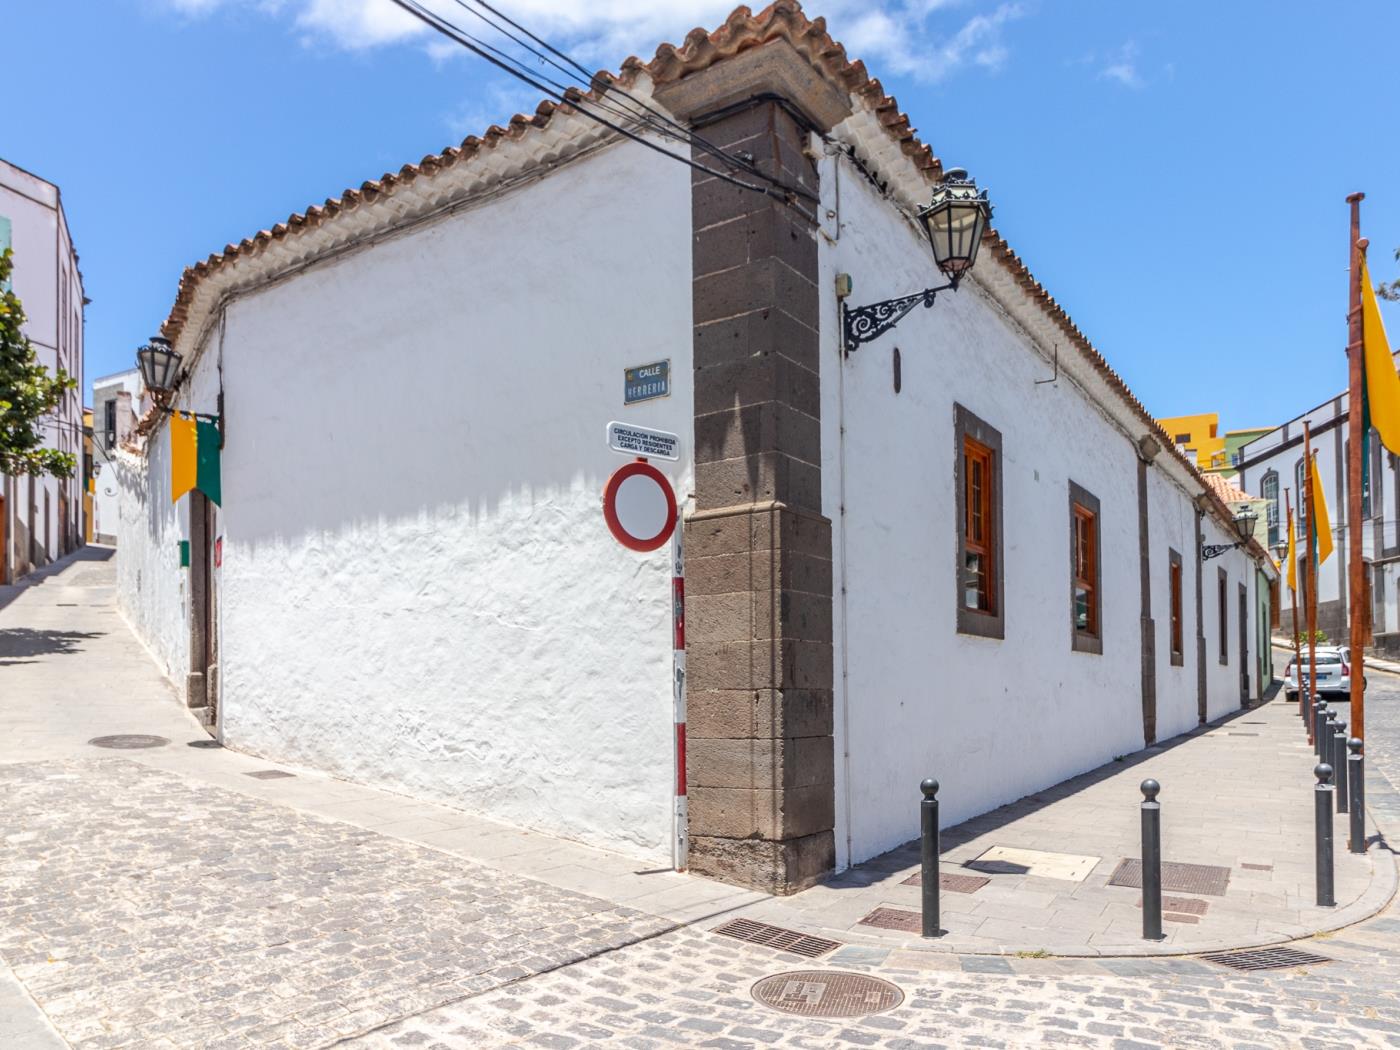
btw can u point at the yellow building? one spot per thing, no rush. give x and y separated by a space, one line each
1198 436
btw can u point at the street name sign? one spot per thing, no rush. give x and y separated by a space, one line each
645 382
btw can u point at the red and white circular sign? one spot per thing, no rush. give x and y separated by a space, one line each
639 506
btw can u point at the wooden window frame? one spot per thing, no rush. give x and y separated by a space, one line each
1176 638
971 432
1083 505
1223 587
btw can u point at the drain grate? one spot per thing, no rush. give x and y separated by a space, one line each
777 937
128 741
1241 734
1256 867
1183 878
951 883
269 774
895 919
1266 959
827 993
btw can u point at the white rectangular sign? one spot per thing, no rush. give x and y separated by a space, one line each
642 441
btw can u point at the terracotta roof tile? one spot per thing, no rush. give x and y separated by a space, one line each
740 31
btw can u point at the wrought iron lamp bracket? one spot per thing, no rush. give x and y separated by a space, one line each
861 324
1214 550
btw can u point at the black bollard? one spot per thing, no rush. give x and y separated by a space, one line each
1151 862
1322 819
1329 736
928 815
1356 774
1319 716
1338 761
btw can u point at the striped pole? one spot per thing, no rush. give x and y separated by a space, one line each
682 834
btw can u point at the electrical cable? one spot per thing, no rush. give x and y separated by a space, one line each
573 97
594 81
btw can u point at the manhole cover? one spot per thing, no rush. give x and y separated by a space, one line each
128 741
1183 878
204 743
1183 905
951 883
1266 959
827 993
1256 867
1008 860
269 774
777 937
895 919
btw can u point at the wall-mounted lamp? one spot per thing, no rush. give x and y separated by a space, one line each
160 366
1244 525
954 221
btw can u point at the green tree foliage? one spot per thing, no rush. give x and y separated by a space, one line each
27 392
1390 290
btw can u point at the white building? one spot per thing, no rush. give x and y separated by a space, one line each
41 518
1272 468
116 400
429 600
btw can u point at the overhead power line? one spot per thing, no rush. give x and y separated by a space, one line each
574 97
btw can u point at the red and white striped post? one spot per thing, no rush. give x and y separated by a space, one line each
682 835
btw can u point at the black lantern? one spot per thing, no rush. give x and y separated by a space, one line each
1245 521
955 220
160 365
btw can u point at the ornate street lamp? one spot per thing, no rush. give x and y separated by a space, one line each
160 366
1245 521
954 221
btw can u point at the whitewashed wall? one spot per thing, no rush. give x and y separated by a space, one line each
992 720
419 591
152 589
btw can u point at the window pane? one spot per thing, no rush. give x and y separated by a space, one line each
975 595
1081 609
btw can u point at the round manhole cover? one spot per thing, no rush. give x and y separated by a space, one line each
827 993
128 741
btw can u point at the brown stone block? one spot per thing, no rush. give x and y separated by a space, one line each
764 664
756 478
758 570
756 285
757 334
755 529
758 713
753 380
761 812
714 201
753 236
756 128
770 867
770 426
782 762
739 616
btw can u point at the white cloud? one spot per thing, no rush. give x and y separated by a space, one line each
1122 67
892 35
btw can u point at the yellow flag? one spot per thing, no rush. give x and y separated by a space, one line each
184 466
1292 557
1322 526
1382 384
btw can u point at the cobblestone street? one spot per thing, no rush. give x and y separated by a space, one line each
166 898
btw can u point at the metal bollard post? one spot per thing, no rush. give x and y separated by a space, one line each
1319 716
1356 773
1322 819
1312 722
928 814
1339 763
1151 862
1329 735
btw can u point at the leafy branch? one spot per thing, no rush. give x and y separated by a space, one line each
28 392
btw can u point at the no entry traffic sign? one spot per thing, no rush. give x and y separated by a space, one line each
639 506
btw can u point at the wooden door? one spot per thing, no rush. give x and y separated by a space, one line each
1244 642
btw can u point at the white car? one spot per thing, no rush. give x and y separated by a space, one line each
1333 673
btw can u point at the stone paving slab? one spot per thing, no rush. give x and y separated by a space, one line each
688 989
140 909
1227 801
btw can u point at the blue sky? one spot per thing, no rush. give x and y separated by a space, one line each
1174 173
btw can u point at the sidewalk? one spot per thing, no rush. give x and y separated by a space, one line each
1236 797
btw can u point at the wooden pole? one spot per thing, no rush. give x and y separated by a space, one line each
1310 570
1297 636
1359 610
